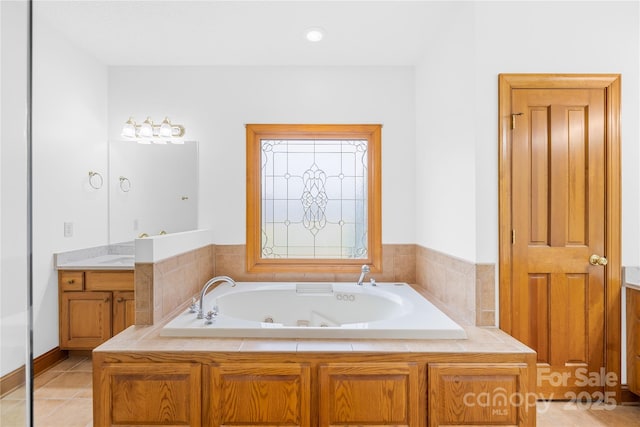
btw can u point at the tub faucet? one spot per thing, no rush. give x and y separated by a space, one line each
206 287
363 272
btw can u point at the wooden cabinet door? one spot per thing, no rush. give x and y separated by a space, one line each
480 394
241 394
124 311
633 340
166 394
85 319
370 394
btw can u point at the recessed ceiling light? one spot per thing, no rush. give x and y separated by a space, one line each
315 34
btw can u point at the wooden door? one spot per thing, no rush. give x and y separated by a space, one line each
558 295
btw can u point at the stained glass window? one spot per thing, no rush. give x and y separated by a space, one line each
313 197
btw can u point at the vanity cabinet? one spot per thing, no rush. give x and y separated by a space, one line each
633 340
94 306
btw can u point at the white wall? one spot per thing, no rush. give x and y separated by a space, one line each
69 140
214 104
482 40
446 138
13 185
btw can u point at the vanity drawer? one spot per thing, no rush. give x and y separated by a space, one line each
71 280
109 280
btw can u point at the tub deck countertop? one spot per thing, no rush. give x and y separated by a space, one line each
148 339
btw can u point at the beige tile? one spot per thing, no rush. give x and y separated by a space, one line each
382 346
19 393
45 377
269 345
336 346
42 408
12 412
73 413
69 363
64 386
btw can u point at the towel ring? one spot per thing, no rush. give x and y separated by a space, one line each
125 184
95 183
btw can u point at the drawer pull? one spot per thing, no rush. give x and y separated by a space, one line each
71 281
120 299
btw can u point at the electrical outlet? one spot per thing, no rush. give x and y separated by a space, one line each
68 229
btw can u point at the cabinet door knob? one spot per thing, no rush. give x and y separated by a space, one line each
71 281
106 299
120 299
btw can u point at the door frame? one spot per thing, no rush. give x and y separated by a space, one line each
611 83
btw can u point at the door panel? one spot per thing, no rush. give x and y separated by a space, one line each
558 211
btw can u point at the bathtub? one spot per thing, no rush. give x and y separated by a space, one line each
317 310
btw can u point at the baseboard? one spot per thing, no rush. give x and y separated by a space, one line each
16 378
627 397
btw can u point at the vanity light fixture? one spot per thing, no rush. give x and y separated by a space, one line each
148 132
315 34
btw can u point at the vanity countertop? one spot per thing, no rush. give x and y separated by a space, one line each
102 262
632 278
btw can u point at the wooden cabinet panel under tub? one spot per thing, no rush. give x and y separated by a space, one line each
369 394
170 392
240 394
204 385
474 394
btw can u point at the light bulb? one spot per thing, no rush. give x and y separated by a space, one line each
315 34
146 128
129 128
165 128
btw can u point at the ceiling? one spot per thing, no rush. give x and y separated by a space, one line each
217 32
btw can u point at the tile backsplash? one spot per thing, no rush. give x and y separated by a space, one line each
465 287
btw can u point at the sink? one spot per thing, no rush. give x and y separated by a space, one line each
119 260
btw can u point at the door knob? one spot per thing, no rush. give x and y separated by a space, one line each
597 260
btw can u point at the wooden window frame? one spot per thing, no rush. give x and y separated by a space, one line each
258 132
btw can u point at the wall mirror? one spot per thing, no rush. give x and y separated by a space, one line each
153 189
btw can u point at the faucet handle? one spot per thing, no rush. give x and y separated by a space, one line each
211 316
193 308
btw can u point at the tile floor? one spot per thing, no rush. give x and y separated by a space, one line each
63 394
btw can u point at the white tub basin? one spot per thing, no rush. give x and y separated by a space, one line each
317 310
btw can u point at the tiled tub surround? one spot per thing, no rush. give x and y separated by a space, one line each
162 286
464 287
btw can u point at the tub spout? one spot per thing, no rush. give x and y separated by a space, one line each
363 272
206 287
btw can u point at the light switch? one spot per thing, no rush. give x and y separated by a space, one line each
68 229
